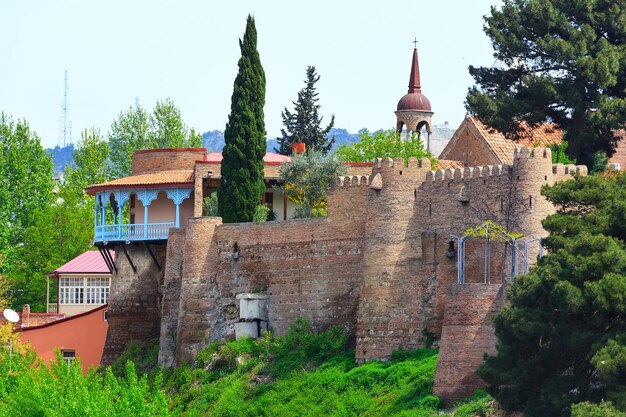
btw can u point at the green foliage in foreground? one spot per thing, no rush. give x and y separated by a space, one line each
30 388
300 374
308 374
562 340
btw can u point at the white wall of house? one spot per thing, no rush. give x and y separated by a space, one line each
279 205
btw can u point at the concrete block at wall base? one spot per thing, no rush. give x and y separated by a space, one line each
246 329
253 306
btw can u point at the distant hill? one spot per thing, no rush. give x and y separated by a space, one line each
61 157
214 139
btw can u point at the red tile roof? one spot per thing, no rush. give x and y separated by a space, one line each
449 164
34 319
63 319
269 158
90 262
176 177
503 146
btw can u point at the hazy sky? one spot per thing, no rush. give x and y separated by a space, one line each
115 51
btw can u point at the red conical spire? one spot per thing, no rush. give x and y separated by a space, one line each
414 79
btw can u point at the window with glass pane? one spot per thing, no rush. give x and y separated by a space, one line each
68 355
97 290
71 290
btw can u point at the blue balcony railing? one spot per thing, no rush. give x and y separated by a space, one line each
132 232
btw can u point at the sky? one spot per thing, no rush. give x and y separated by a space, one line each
117 51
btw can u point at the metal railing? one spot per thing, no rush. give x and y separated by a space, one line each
117 232
53 308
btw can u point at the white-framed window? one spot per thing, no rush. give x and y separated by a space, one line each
97 290
71 290
68 355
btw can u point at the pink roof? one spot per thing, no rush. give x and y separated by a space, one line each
90 262
269 157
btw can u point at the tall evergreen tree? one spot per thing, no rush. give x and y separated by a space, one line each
562 340
242 185
561 61
304 124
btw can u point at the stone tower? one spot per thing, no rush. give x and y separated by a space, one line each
414 111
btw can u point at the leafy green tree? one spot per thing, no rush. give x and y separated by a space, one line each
26 189
559 154
129 132
194 139
242 183
29 387
562 339
5 289
306 181
63 229
383 144
167 129
304 124
562 62
135 129
604 409
26 186
91 165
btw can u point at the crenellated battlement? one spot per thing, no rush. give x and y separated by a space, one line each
353 181
467 174
524 152
395 167
570 169
525 155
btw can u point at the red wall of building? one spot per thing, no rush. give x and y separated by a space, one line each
84 333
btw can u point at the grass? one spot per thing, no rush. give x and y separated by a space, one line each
308 374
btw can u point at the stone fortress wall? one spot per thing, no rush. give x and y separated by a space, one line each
376 265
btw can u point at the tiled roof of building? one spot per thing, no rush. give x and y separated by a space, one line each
90 262
148 178
503 146
446 163
37 319
270 157
63 319
28 319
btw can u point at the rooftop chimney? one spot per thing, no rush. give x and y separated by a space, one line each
26 315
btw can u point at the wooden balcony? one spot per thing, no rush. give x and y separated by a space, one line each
132 232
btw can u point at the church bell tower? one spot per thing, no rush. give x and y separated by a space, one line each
414 111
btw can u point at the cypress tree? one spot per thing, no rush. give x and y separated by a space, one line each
242 185
304 124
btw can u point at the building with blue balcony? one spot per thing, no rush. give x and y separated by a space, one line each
165 189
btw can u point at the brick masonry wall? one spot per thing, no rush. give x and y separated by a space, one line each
202 171
377 265
270 169
410 222
171 297
466 336
619 156
135 299
166 159
308 267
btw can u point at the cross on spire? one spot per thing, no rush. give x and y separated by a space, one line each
415 43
